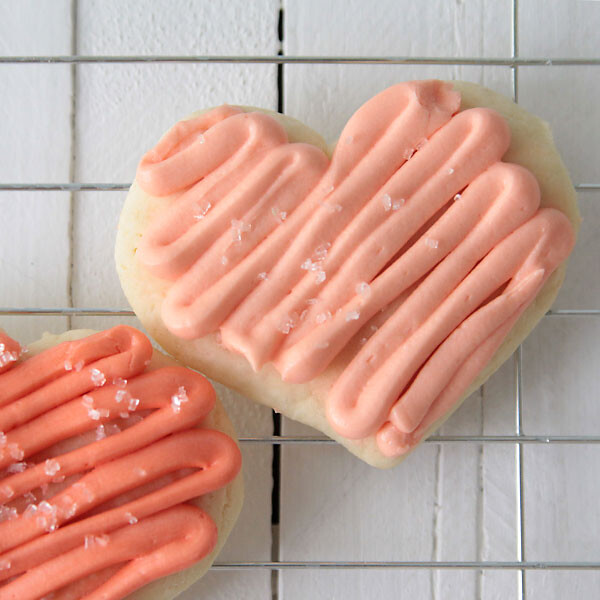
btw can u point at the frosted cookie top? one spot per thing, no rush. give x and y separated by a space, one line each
410 255
97 459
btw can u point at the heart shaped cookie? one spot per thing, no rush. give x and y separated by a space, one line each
364 294
118 469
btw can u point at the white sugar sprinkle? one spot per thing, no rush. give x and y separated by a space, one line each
262 276
320 277
329 189
353 315
202 211
321 251
457 197
124 415
322 345
280 215
324 316
119 382
200 138
100 433
408 153
397 204
141 472
133 404
94 414
431 242
224 260
422 143
363 289
178 399
3 439
288 323
98 378
51 467
386 200
132 520
312 301
7 357
87 401
7 492
238 228
45 507
450 171
16 467
68 365
122 395
47 517
4 565
68 508
7 513
78 366
15 451
30 511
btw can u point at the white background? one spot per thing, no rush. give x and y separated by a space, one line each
92 122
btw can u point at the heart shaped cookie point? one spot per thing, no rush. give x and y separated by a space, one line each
384 280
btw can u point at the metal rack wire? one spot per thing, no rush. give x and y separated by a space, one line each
518 439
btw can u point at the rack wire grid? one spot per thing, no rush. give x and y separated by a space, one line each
518 439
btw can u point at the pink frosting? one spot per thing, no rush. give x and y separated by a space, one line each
411 253
112 513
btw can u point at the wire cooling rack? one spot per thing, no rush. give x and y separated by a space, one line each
518 439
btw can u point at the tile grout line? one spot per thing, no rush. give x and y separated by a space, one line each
277 420
480 495
72 160
435 549
520 520
520 513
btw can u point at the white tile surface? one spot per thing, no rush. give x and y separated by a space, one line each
560 377
561 503
567 97
35 145
582 283
449 502
555 28
30 27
